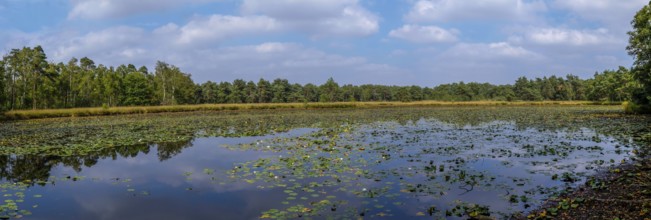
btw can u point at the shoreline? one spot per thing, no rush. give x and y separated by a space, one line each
104 111
618 192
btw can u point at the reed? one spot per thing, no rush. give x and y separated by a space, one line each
100 111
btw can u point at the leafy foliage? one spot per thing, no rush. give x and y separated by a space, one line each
639 48
138 90
29 82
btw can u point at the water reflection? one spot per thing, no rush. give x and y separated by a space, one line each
400 169
36 168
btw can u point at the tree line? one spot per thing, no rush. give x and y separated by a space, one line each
29 81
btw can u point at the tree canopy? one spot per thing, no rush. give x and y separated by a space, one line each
29 81
640 48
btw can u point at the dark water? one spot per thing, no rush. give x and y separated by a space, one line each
420 169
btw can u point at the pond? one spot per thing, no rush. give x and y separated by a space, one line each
448 163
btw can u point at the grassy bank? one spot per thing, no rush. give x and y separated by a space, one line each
81 112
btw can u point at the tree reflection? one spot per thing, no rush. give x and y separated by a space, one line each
37 168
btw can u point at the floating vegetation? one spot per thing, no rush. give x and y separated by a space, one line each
441 162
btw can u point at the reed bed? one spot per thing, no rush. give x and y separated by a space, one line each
100 111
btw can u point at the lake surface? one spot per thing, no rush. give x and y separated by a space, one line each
439 165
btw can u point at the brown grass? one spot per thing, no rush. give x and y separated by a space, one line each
81 112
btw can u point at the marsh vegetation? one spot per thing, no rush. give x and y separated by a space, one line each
406 162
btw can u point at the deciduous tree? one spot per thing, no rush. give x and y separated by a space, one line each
639 47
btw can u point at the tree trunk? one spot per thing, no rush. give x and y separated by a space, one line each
13 90
34 96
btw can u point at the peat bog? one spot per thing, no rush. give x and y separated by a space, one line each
412 162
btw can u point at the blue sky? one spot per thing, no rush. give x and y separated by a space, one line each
392 42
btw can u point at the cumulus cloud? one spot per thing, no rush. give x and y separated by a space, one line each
489 51
219 27
424 34
614 13
317 17
530 36
497 62
301 10
99 9
122 45
287 60
118 45
480 10
560 36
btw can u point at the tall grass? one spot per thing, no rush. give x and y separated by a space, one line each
81 112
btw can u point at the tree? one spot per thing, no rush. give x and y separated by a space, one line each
578 86
264 91
209 92
349 93
113 87
311 92
251 92
280 89
502 93
403 94
296 93
223 92
639 41
26 69
329 91
138 89
172 86
238 93
614 86
3 94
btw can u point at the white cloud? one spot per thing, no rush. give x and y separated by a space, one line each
498 62
317 17
218 27
577 36
479 10
121 43
99 9
423 34
297 10
285 60
614 13
124 45
561 36
272 47
489 51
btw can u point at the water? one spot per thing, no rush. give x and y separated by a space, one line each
420 168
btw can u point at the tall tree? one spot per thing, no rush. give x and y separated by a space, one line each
3 92
164 77
251 92
27 68
238 93
223 92
172 86
638 47
311 92
280 89
209 92
329 91
138 89
264 91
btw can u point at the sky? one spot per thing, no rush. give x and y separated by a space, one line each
389 42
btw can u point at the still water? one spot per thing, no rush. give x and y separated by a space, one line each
416 169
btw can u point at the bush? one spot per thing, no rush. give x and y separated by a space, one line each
633 108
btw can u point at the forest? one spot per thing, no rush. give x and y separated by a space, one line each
29 81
